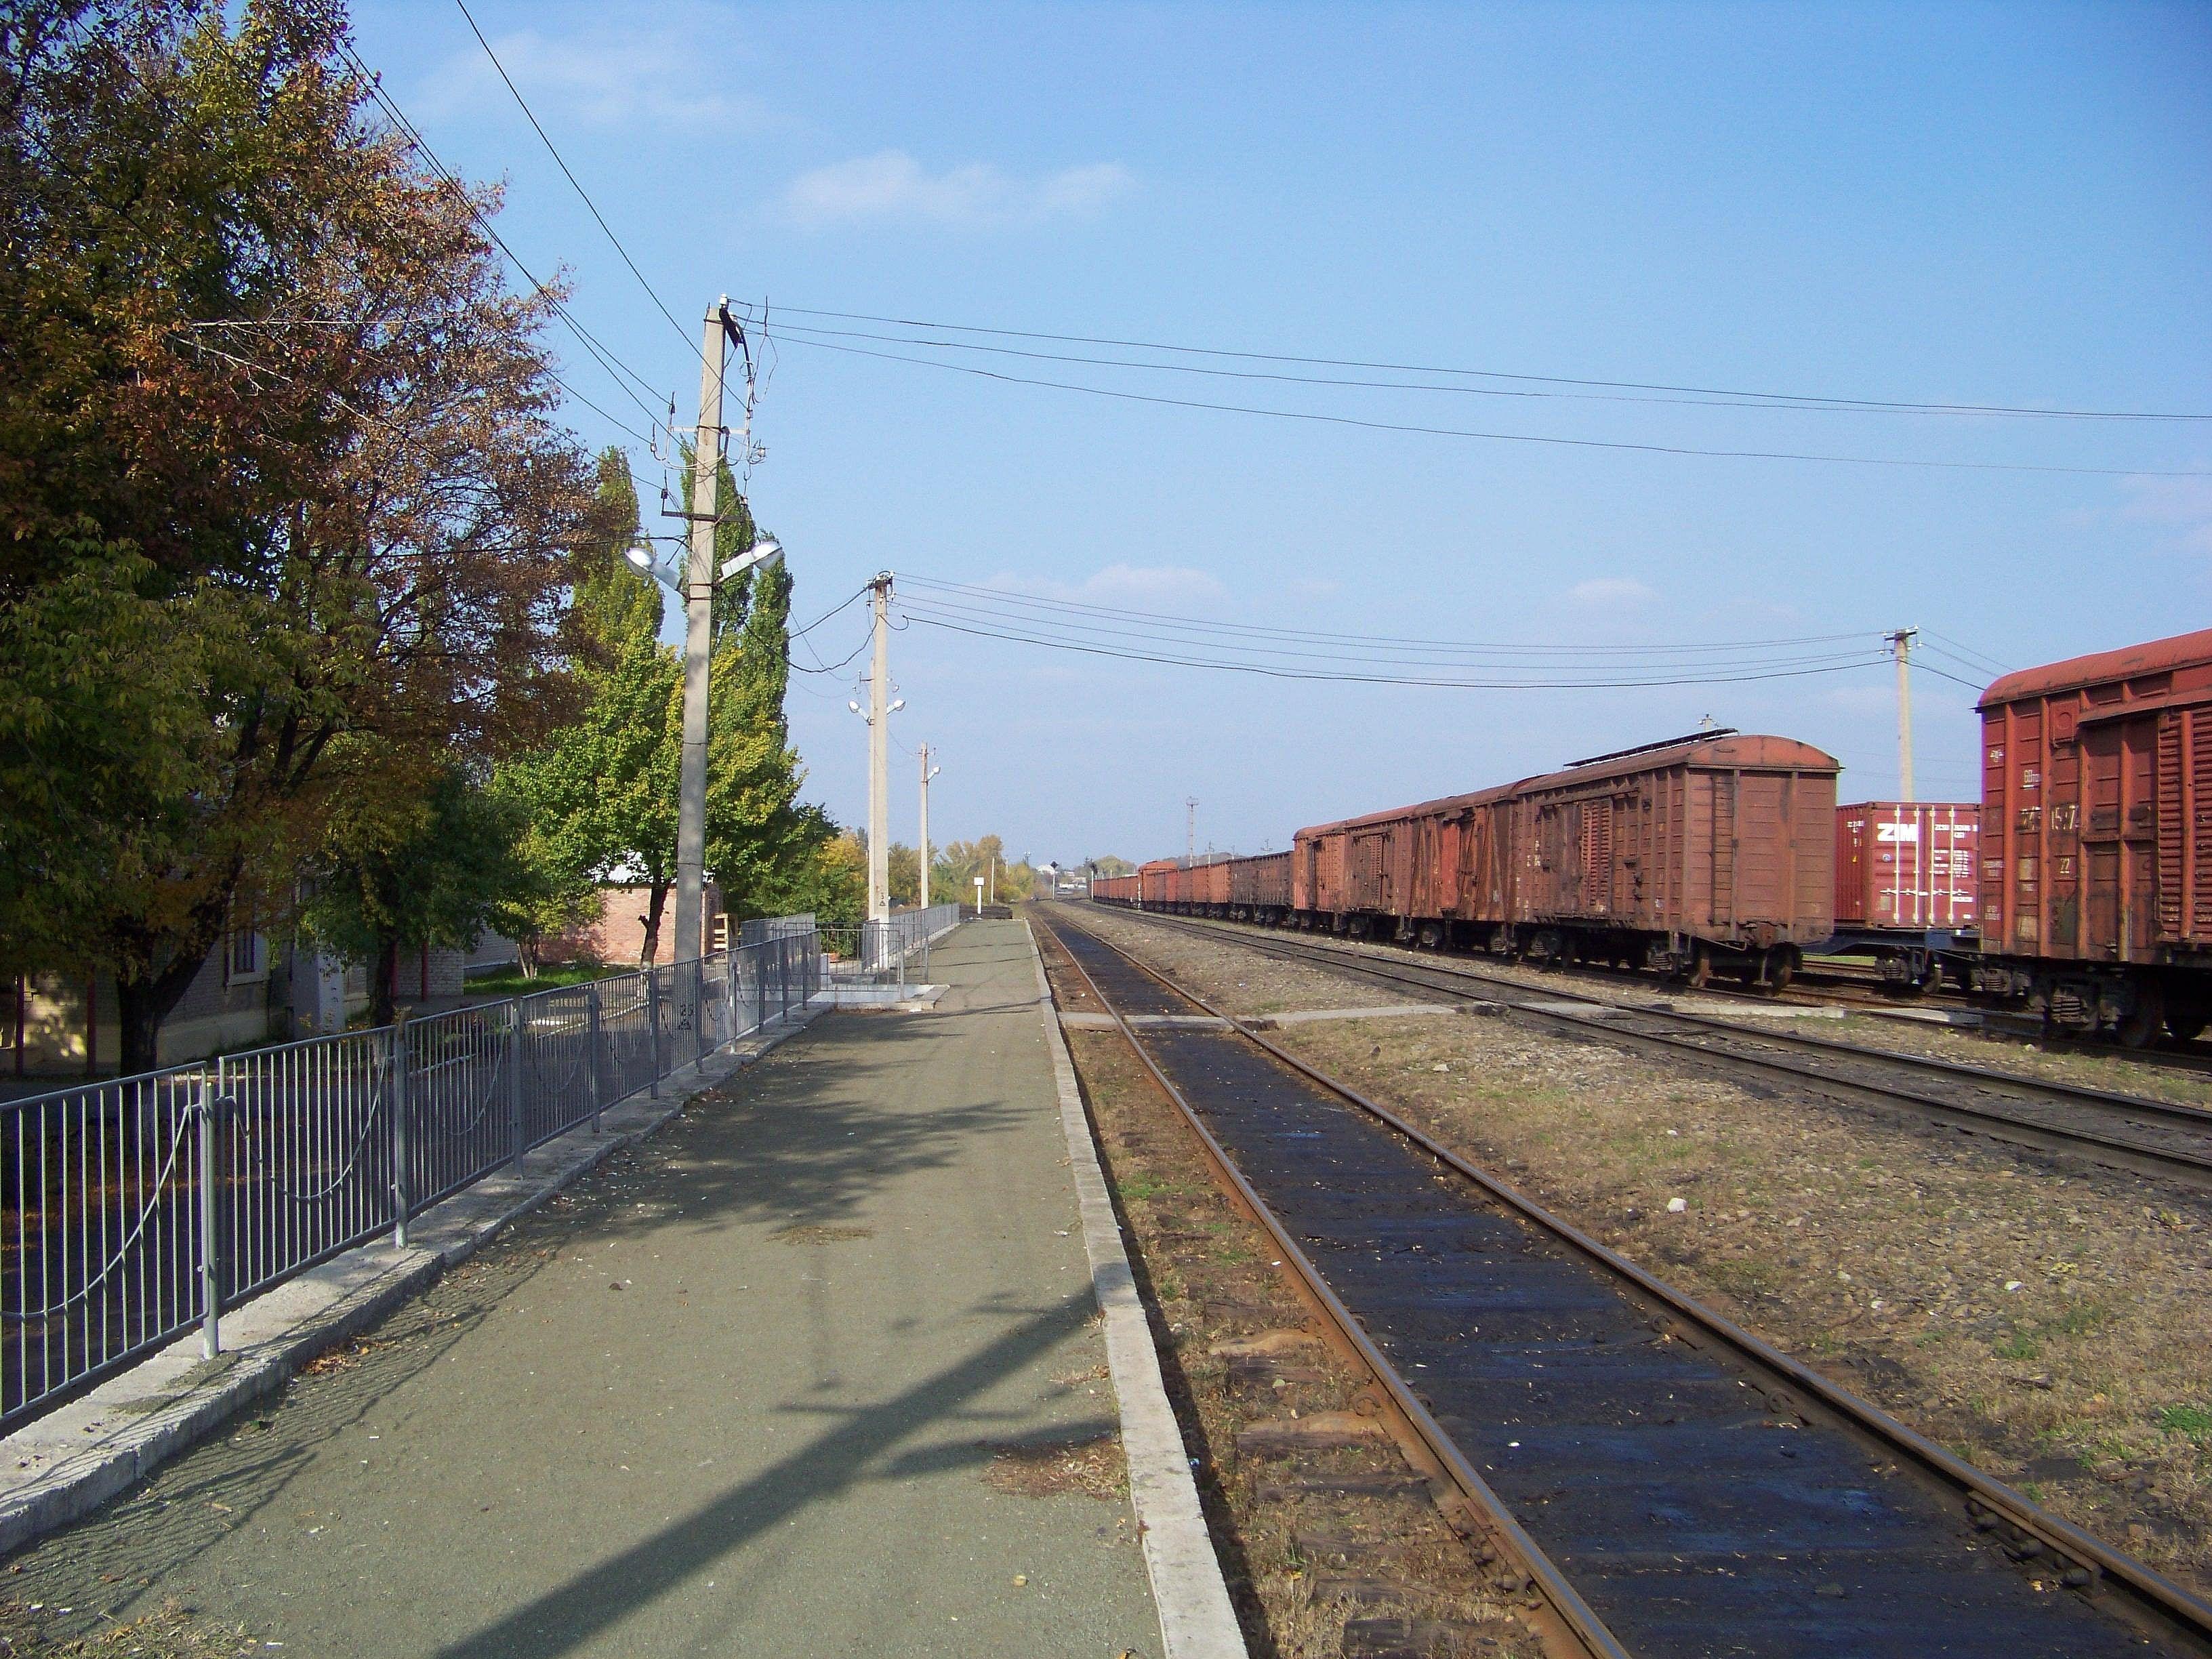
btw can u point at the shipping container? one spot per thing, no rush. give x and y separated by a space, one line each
1910 866
2096 890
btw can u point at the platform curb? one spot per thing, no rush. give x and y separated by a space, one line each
1197 1619
67 1463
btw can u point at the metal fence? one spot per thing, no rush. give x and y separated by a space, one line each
891 945
132 1210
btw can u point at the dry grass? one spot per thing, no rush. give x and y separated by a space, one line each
173 1631
822 1234
2052 1324
1093 1467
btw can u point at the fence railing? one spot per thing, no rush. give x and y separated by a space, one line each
132 1210
897 945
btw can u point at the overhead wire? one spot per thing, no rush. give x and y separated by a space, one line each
1651 660
616 367
1766 399
1912 463
807 334
593 207
1331 637
1719 674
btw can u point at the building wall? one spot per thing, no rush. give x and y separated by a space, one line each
616 938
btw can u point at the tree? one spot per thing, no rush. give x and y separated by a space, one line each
906 874
434 868
271 426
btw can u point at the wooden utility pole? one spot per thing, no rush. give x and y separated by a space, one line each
1901 644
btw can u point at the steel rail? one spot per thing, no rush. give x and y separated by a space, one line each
2192 1167
1573 1617
2088 1560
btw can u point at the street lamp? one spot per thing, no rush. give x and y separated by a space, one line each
667 569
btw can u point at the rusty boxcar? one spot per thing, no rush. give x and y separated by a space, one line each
1260 887
2096 890
1712 850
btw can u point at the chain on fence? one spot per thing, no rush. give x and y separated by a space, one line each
131 1211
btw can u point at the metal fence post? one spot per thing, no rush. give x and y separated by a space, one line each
403 1196
211 1275
592 1052
514 1079
695 987
652 1024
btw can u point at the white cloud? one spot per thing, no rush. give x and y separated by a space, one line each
1609 590
600 78
892 186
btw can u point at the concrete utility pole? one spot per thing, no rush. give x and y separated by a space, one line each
698 642
880 756
1190 830
1901 644
927 773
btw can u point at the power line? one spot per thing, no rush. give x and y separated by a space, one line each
1925 666
910 581
1770 398
1914 462
807 334
1981 659
617 369
1869 660
538 127
1652 661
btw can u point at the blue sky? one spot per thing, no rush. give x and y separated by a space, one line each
1993 204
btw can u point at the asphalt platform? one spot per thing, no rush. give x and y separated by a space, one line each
817 1370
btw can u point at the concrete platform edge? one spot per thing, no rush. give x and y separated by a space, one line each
1197 1619
65 1464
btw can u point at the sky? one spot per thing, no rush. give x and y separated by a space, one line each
1988 205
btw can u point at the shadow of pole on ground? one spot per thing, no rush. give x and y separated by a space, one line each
564 1620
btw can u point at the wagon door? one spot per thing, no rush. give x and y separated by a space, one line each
1595 857
1451 850
2185 825
1365 888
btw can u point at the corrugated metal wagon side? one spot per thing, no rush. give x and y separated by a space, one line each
2096 892
1712 852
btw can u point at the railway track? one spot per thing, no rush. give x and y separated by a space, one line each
2147 1137
1649 1478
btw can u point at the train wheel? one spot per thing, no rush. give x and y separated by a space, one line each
1699 974
2185 1024
2140 1025
1781 968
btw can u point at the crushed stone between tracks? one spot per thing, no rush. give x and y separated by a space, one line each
2050 1323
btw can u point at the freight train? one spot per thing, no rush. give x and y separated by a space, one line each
2086 866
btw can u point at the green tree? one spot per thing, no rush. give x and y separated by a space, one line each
272 432
905 872
433 868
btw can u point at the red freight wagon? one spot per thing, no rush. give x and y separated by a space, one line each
1260 887
1722 847
2096 892
1152 882
1114 890
1907 865
1715 847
